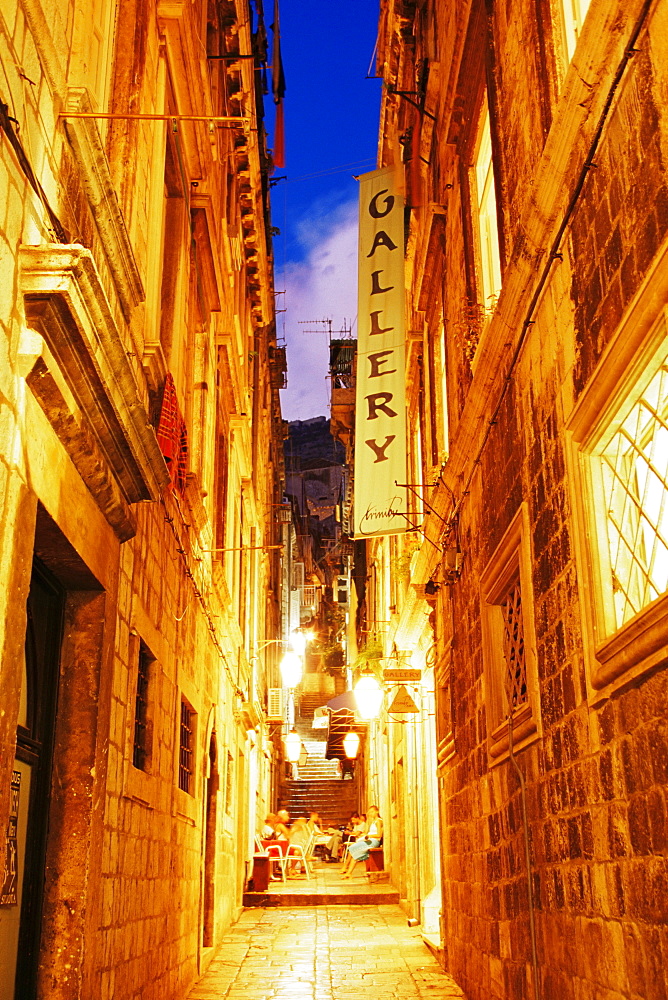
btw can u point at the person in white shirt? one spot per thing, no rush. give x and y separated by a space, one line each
358 850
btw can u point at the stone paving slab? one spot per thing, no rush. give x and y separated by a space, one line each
324 953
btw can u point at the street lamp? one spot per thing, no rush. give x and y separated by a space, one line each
299 638
291 668
351 744
369 696
298 642
293 746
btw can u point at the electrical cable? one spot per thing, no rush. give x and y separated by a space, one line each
7 126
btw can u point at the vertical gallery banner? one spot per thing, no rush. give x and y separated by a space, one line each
380 410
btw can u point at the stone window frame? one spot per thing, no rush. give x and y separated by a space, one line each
615 657
143 786
510 564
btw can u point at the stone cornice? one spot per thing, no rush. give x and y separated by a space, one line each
65 303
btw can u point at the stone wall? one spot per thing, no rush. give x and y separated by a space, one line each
141 878
577 144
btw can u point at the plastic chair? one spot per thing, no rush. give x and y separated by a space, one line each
274 852
301 853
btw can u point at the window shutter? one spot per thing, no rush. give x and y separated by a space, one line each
275 704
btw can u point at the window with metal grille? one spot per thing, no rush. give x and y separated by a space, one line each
633 467
511 674
141 744
186 747
513 648
618 450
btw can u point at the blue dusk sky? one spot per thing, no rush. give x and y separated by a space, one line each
331 134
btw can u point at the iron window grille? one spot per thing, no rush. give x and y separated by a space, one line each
513 648
186 748
509 642
634 478
140 749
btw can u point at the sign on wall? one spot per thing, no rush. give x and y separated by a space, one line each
380 411
10 878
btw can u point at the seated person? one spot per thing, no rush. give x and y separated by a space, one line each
281 829
269 827
354 829
358 850
315 824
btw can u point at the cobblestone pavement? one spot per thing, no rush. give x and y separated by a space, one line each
324 953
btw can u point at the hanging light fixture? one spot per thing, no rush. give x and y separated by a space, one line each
369 696
351 744
291 668
293 746
298 642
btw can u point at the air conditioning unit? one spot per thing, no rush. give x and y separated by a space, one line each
275 705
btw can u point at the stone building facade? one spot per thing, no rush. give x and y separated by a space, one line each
140 464
531 138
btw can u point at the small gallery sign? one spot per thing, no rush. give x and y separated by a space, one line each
380 409
10 879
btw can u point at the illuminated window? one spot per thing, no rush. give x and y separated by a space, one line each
444 395
619 430
486 217
633 470
511 681
574 13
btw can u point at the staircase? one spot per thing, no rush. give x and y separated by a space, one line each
319 786
316 767
334 800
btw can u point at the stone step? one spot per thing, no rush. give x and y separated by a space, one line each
326 770
334 799
322 898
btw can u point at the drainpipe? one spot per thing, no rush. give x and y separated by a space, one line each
527 855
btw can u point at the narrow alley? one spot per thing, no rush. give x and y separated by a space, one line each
324 953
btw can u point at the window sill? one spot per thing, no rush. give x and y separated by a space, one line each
525 731
185 806
638 648
140 786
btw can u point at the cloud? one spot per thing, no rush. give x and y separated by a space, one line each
322 285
